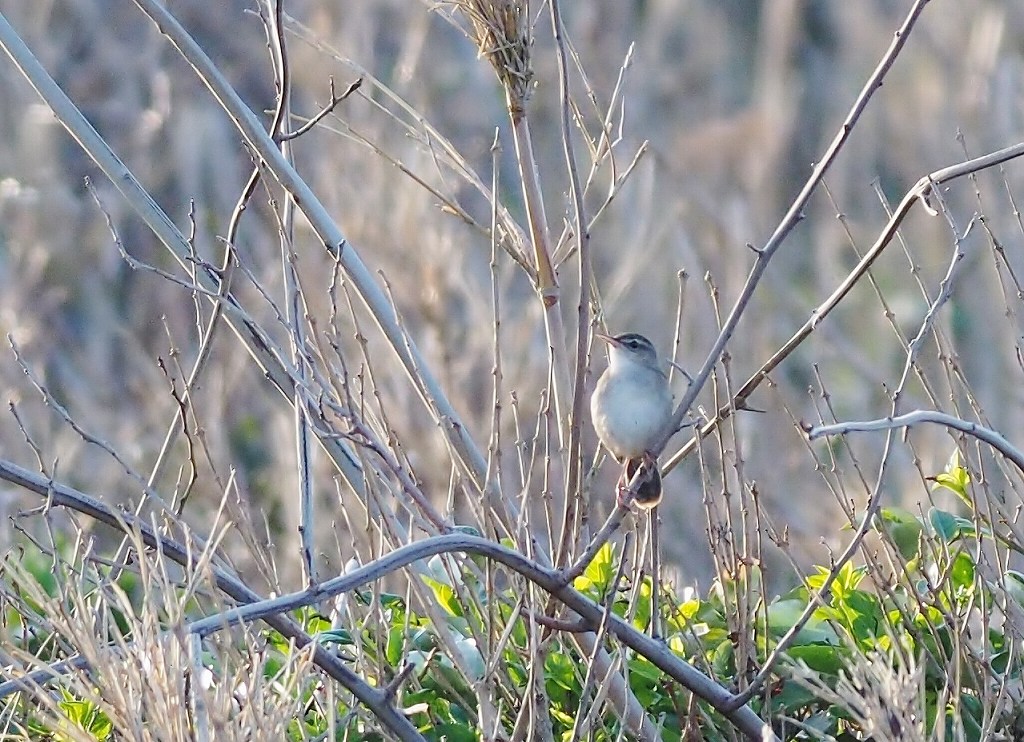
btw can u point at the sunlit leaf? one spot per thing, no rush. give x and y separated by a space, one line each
954 478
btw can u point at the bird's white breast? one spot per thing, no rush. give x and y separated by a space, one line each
631 410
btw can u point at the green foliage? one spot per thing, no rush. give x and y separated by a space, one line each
82 716
912 622
954 478
85 715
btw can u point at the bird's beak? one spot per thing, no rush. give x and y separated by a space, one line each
607 338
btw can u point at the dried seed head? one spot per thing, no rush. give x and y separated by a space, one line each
501 31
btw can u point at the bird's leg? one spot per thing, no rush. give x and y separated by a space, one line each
625 477
640 482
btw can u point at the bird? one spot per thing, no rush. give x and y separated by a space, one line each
632 408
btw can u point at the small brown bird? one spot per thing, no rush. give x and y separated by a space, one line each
632 408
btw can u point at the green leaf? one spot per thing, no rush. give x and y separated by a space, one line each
954 478
1013 583
643 667
904 528
395 646
967 718
457 732
566 720
277 641
643 604
599 573
86 715
560 671
392 602
962 573
446 596
793 697
722 659
824 723
815 581
845 586
947 526
1000 661
820 657
645 681
335 636
861 614
782 614
688 610
315 623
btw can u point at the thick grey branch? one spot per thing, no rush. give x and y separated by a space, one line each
916 417
550 580
61 495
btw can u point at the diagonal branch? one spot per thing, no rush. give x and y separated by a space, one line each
59 494
917 194
426 384
793 217
269 357
270 610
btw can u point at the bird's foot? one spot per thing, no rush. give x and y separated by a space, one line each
640 483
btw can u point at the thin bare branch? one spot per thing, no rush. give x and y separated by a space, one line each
65 496
791 219
914 196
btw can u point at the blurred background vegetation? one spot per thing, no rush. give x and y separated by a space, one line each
736 98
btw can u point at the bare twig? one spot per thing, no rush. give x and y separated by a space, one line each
262 348
574 499
319 116
909 419
611 525
65 496
295 316
789 222
333 240
545 577
914 196
502 32
875 498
